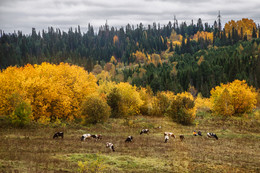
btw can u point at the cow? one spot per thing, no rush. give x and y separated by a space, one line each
144 131
85 136
111 146
57 134
166 138
169 134
210 135
129 139
97 136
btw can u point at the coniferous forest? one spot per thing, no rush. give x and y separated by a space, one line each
172 57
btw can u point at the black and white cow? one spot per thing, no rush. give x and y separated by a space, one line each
85 136
57 134
97 136
166 138
212 135
144 131
111 146
129 139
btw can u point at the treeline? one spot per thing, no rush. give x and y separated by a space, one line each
202 70
87 49
49 93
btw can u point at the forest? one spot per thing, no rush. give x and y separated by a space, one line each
171 57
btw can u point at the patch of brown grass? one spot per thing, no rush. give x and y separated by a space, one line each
34 150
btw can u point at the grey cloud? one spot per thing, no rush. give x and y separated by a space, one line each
25 14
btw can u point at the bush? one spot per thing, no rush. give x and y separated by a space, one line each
124 100
95 110
22 114
161 102
233 98
114 99
94 166
202 104
182 109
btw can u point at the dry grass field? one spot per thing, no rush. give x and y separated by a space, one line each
237 150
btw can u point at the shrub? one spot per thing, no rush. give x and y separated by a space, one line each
202 104
95 109
182 109
94 166
161 102
146 97
22 114
124 100
233 98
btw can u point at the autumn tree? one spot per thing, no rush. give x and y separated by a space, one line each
247 25
54 91
22 113
95 110
139 57
161 102
124 100
182 109
233 98
203 35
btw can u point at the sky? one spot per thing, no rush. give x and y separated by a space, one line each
24 15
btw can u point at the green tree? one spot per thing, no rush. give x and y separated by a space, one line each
182 109
22 114
95 110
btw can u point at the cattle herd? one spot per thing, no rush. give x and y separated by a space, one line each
110 145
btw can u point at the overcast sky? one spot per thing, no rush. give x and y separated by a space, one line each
40 14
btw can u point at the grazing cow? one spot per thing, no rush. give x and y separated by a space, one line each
144 131
97 136
129 139
181 137
57 134
166 138
210 135
199 133
169 134
85 136
111 146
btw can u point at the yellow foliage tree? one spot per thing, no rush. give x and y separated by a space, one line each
113 60
97 69
140 57
233 98
124 100
54 91
202 104
203 35
246 24
156 59
115 39
175 38
161 102
146 97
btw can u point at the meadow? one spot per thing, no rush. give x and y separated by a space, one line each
32 149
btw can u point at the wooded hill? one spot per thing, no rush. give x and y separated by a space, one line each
171 57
